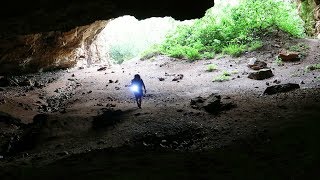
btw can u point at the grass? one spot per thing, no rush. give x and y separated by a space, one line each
234 49
278 61
302 48
232 30
312 67
225 76
211 67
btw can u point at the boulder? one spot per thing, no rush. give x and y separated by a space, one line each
261 74
281 88
256 65
289 56
212 104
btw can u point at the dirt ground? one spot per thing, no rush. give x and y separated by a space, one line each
94 129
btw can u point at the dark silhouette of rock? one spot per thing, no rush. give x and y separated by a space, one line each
107 118
161 79
281 88
8 119
102 69
4 82
212 104
261 74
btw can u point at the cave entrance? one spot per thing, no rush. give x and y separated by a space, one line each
126 38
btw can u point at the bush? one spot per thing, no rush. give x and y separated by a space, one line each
225 76
232 29
121 52
211 67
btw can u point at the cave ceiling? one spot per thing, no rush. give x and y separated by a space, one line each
25 17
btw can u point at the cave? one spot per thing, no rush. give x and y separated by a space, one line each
227 92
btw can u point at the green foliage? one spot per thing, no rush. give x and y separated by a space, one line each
211 67
233 29
306 12
254 45
278 61
150 53
234 49
225 76
313 67
121 52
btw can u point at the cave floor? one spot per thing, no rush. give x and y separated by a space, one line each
263 136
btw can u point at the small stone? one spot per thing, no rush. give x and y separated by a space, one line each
302 82
267 83
116 81
180 110
277 81
72 75
261 74
102 69
117 88
89 92
178 77
161 79
110 81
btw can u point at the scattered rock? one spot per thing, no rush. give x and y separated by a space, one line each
261 74
180 110
161 79
81 67
116 81
267 83
89 92
289 56
256 65
178 77
117 88
110 81
26 82
72 75
38 84
281 88
302 82
102 69
277 81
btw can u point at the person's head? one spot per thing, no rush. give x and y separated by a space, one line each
137 76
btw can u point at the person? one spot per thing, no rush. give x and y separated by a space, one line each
136 87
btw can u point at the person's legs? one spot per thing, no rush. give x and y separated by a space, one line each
139 102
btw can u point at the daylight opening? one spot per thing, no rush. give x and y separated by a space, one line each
229 28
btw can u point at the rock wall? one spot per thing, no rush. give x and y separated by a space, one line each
310 13
47 51
40 35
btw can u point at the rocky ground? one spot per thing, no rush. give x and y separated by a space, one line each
58 123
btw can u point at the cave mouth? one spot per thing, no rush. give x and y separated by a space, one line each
126 38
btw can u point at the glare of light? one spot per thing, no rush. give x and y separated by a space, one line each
134 88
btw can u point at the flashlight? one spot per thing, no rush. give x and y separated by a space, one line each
134 88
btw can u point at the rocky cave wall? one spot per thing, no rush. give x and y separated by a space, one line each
42 35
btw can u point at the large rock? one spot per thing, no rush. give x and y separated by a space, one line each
212 104
261 74
281 88
256 65
289 56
